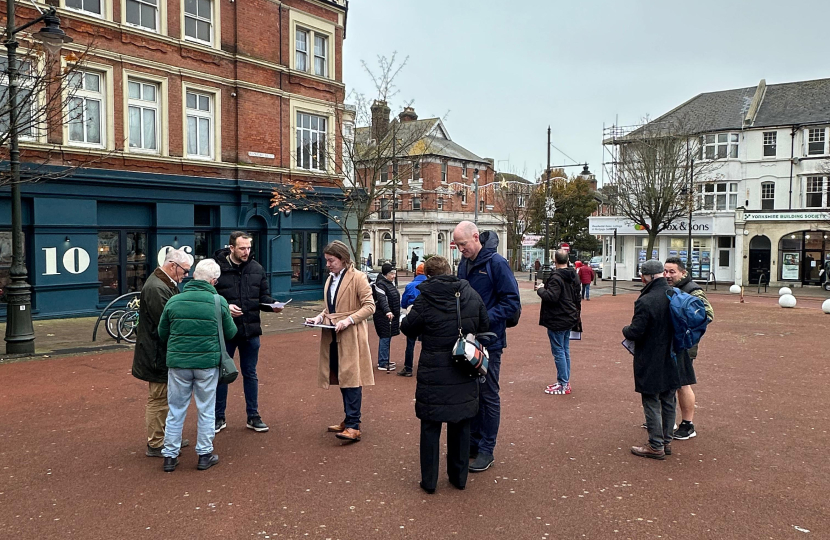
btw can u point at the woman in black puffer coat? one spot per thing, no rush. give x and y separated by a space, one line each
387 314
445 391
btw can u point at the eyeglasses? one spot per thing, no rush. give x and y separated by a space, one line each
185 271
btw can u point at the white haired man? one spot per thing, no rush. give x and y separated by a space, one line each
188 325
150 357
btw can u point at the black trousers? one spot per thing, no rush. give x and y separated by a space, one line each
458 452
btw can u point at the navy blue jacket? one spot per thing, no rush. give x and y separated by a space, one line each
499 291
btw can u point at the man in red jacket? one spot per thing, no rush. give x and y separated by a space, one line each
586 276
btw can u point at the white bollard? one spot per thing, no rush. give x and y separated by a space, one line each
825 307
735 289
784 290
787 301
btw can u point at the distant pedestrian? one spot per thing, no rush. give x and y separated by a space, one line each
490 276
655 373
445 393
387 314
414 261
677 276
410 293
150 356
188 325
345 358
369 262
560 313
537 266
586 276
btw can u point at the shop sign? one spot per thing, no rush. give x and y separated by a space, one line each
530 239
163 253
787 216
607 225
75 261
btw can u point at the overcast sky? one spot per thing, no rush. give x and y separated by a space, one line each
502 71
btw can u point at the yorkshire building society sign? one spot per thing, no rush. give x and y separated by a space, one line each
787 216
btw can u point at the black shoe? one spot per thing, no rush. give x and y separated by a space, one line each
430 491
457 485
220 425
256 423
482 462
405 372
170 464
685 431
207 461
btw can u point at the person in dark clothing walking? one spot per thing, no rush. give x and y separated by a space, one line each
387 314
244 285
414 261
655 372
410 293
369 262
490 276
560 312
445 393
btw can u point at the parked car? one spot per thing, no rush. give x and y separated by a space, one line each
596 265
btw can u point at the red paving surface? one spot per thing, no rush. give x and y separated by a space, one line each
73 463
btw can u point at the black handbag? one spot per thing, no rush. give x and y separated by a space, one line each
468 352
227 369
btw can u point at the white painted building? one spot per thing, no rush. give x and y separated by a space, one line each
765 211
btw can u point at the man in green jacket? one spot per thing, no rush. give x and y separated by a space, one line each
149 359
189 326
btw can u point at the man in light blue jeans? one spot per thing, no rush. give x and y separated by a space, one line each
560 347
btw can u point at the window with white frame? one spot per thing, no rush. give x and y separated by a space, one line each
384 173
464 170
26 95
720 196
770 140
85 109
481 206
444 172
198 20
719 146
143 112
303 40
440 203
95 7
416 203
767 195
817 192
464 196
199 108
143 13
311 141
520 200
416 171
817 141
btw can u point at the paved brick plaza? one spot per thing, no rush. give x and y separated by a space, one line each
73 464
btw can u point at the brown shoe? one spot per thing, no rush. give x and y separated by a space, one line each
349 434
648 451
667 449
338 428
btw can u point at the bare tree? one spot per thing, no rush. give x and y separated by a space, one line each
653 175
518 201
46 101
364 168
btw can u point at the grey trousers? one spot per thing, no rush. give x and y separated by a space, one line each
660 410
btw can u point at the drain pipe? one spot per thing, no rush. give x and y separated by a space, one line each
792 156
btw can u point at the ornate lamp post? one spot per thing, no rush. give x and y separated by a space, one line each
20 335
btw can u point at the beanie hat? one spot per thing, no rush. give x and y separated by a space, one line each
419 270
386 268
651 267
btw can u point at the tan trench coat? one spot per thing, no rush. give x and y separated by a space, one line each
354 297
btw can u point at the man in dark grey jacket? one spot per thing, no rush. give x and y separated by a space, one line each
150 356
655 371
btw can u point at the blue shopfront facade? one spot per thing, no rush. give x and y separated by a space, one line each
98 234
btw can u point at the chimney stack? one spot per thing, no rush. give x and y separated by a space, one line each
380 119
408 115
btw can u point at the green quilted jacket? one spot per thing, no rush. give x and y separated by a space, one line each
188 325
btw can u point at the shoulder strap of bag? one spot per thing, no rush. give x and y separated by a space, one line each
218 305
458 312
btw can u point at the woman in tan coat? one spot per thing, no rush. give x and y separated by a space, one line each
345 358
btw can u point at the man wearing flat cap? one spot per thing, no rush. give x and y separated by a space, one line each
655 371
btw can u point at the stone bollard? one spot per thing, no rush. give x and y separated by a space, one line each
825 307
735 289
784 290
787 301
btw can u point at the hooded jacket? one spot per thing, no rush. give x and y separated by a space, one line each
499 291
561 300
445 392
245 285
411 292
387 299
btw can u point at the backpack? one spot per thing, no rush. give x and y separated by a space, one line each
513 320
688 316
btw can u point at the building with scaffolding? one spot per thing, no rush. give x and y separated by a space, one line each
762 210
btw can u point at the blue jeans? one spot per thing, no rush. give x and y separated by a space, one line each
586 291
248 356
383 351
485 427
560 347
409 355
181 384
352 400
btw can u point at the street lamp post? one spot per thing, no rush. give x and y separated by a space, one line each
20 335
475 188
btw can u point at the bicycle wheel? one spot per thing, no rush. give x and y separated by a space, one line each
127 325
112 323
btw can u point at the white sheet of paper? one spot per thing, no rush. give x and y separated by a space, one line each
321 325
278 305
